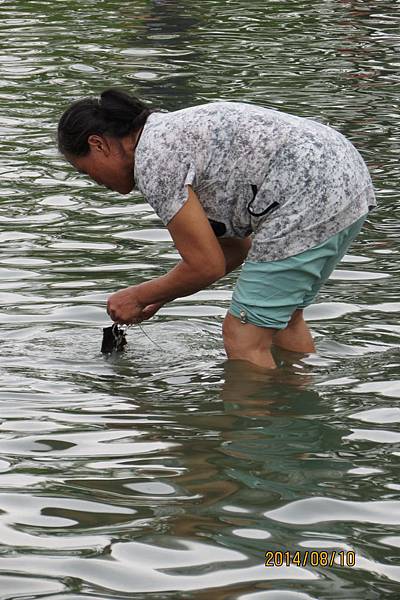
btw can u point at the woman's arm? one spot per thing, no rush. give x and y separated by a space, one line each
235 252
203 262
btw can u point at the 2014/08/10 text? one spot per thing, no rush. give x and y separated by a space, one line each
314 558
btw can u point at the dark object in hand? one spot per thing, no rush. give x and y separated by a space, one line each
114 339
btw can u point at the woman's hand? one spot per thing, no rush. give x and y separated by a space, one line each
124 307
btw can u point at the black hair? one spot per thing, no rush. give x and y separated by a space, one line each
115 113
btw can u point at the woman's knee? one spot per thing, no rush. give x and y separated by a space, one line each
245 337
248 342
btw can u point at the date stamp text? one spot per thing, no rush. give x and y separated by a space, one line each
313 558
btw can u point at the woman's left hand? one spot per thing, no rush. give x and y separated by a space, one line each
124 306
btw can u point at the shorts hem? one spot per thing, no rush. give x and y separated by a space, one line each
246 315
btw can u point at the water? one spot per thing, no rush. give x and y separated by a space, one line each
166 472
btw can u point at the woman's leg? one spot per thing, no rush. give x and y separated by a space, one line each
269 293
244 341
296 336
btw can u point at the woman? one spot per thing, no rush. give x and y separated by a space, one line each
232 182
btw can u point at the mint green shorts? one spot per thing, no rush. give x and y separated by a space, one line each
268 293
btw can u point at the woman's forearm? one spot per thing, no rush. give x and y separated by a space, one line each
180 281
183 280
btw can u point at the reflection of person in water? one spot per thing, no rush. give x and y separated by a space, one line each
273 440
232 182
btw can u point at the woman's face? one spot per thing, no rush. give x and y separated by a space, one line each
109 162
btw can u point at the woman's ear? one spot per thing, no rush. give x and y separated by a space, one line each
98 143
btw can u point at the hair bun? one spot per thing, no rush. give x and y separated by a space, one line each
119 104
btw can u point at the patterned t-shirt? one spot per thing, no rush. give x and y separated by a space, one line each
290 181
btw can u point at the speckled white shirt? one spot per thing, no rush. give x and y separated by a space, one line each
290 181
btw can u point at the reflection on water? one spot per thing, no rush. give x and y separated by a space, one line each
167 471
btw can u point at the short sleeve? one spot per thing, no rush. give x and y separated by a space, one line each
163 181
